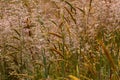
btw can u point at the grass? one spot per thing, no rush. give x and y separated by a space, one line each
66 42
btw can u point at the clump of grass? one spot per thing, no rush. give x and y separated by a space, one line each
72 42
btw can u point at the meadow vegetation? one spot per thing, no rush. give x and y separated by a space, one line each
59 40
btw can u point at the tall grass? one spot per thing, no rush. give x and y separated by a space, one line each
65 41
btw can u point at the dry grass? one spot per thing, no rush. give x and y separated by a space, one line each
59 40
